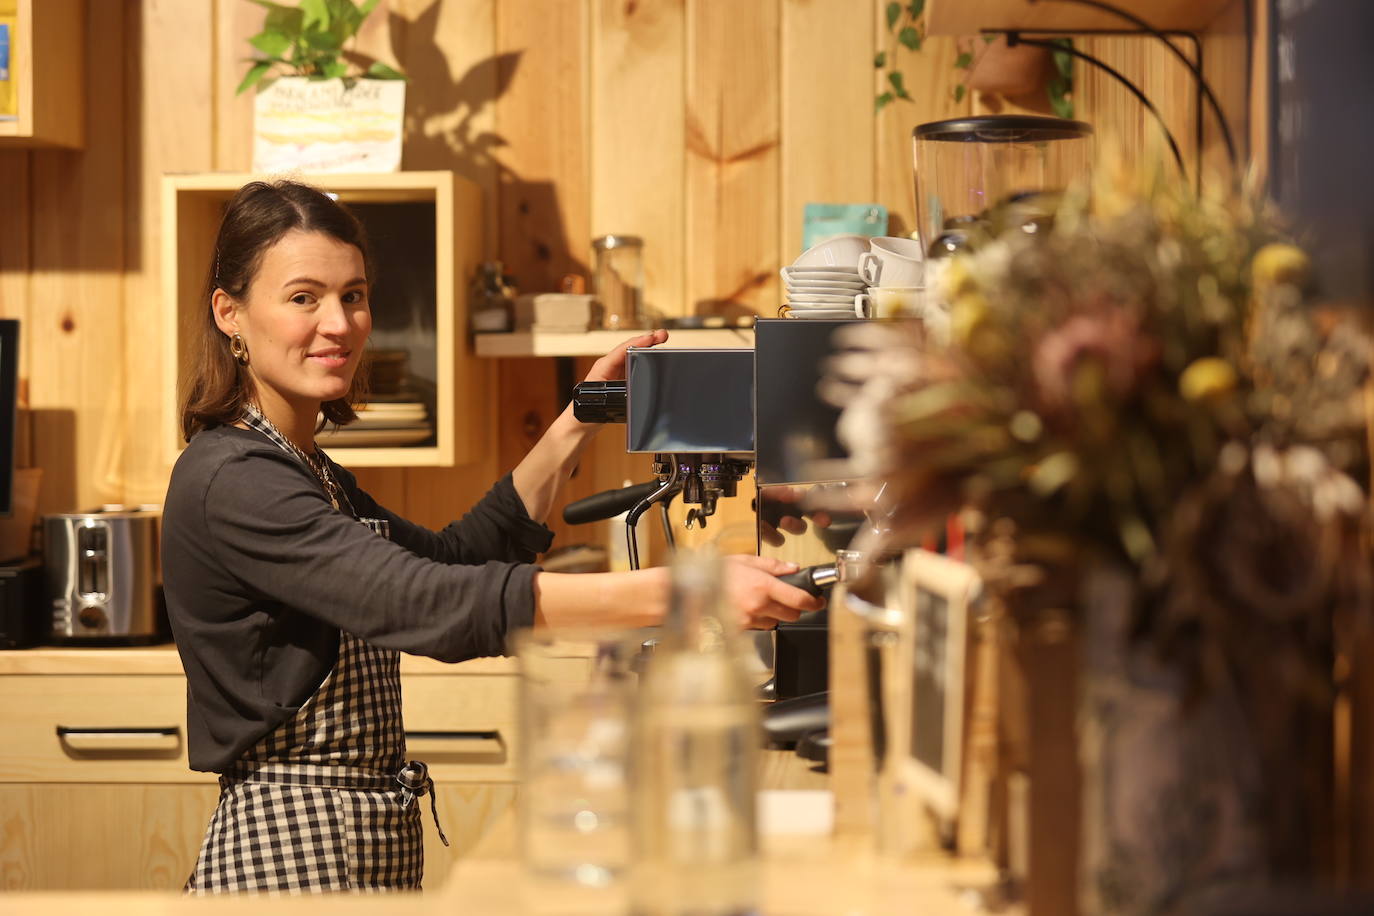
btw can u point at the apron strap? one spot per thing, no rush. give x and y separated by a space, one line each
415 781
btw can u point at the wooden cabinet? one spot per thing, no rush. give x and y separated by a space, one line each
47 71
425 229
96 792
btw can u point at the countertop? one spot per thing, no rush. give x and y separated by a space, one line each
801 877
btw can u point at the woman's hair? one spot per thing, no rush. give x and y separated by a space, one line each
259 214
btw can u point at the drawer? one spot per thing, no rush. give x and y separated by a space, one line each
76 728
463 726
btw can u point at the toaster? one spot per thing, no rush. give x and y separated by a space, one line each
102 576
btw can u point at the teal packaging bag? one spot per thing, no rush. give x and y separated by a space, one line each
821 221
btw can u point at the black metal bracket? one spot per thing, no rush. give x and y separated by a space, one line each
1206 98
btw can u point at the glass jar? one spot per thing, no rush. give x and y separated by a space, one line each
977 177
618 280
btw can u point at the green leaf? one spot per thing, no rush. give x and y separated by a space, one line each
368 6
881 100
1063 62
1062 105
272 44
910 37
916 8
254 76
894 12
381 71
333 68
317 14
895 78
959 91
880 60
964 61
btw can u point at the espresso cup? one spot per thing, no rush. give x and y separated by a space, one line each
892 261
890 302
839 251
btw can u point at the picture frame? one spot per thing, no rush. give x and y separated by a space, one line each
938 594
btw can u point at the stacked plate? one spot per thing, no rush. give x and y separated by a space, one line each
824 280
815 292
381 424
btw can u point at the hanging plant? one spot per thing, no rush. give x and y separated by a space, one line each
988 65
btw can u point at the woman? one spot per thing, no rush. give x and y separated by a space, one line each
290 615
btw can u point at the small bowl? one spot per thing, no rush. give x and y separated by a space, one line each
838 251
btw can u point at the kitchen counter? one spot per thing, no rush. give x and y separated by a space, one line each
801 877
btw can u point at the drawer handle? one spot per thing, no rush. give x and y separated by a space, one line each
488 745
116 742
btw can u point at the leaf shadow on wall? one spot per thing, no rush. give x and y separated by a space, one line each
448 126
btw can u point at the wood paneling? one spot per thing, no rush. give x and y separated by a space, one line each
638 82
733 160
702 126
826 87
76 296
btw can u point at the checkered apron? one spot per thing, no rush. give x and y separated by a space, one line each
327 801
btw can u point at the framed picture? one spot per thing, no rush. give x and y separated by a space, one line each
937 593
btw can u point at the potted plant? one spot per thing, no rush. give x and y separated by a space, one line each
986 63
321 106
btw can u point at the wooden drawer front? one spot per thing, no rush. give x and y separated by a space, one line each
463 726
74 728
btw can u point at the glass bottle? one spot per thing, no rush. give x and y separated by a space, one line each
618 280
695 737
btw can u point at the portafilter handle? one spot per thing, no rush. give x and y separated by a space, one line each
601 402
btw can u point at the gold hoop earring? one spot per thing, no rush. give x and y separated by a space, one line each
238 348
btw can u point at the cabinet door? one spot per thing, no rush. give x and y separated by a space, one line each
101 836
480 823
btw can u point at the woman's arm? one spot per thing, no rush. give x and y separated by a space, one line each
542 473
640 598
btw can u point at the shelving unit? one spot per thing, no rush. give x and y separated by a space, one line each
969 17
48 68
598 343
425 230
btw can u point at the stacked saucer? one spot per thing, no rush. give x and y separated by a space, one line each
823 282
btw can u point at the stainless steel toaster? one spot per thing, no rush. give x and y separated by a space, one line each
102 576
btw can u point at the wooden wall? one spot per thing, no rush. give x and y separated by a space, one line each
701 125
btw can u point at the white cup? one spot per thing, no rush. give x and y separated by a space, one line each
837 251
892 261
890 302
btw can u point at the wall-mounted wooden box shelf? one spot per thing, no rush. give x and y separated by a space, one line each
48 69
599 343
969 17
425 231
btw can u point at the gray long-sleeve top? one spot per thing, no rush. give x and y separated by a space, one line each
261 574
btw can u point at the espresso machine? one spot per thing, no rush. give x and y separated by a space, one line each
706 419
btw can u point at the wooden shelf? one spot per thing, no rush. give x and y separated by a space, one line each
969 17
417 209
598 343
48 68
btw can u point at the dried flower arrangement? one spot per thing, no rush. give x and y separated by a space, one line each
1142 391
1144 382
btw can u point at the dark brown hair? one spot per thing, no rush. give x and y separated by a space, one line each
259 214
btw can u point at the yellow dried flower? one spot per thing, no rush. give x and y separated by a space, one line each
1207 379
1278 263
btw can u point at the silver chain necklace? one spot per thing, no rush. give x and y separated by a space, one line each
316 463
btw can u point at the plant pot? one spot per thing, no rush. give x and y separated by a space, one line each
334 125
1011 72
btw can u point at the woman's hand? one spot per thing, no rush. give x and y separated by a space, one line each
762 599
612 365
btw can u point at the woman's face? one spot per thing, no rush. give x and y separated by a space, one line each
305 321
